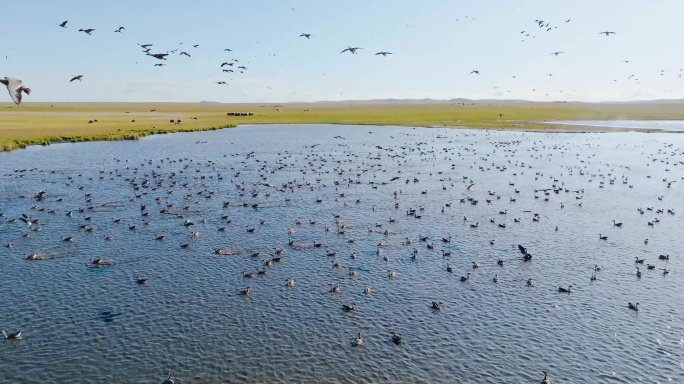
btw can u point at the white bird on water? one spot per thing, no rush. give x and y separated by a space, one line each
15 88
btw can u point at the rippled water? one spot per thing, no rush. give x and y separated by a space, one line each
89 324
665 125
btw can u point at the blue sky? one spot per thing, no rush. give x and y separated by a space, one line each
436 44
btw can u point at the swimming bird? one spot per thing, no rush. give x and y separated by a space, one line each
15 88
607 33
367 290
617 224
358 340
638 272
351 49
245 291
170 380
664 257
348 307
633 307
396 339
87 31
638 261
384 53
12 336
563 290
437 305
78 77
496 278
530 283
666 271
546 380
603 237
140 281
291 282
465 278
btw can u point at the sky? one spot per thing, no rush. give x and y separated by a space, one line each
435 45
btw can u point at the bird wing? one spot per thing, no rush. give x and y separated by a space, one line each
348 49
14 88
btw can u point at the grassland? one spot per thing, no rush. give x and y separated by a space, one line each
42 123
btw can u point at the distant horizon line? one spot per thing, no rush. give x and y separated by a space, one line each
378 101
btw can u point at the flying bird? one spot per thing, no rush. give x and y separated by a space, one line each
307 35
221 82
350 49
74 78
184 53
159 65
607 33
160 56
120 30
144 46
568 20
226 63
228 50
228 70
15 88
196 45
384 53
87 31
556 53
63 23
475 72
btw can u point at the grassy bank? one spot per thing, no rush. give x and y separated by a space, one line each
42 123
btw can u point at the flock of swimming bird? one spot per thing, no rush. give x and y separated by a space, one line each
170 187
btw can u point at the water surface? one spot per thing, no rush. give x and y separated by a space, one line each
665 125
91 325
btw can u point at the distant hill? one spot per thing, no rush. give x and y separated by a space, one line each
493 101
209 102
426 101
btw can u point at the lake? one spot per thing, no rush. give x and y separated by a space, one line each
665 125
347 188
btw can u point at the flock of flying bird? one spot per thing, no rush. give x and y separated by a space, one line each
15 86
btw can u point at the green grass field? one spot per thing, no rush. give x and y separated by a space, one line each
42 123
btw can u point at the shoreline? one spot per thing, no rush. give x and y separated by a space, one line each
45 124
139 134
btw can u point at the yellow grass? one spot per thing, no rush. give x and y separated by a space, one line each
41 123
